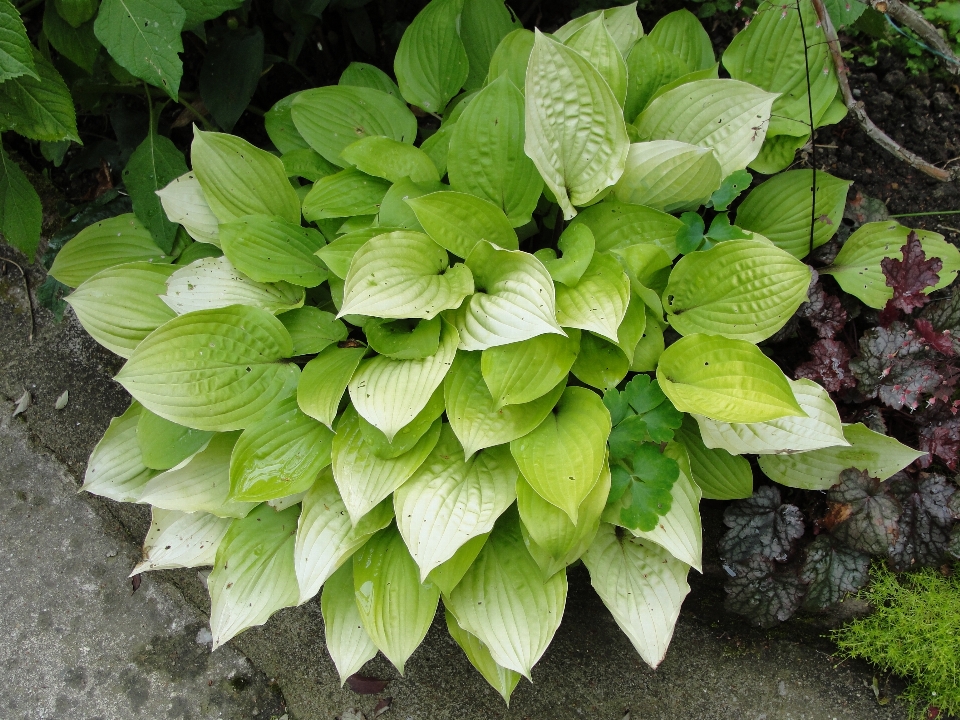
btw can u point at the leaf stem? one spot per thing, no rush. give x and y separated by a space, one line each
813 130
924 214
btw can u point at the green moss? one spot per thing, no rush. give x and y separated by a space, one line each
914 631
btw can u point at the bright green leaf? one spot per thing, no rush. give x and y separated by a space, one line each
621 22
449 573
390 159
598 302
600 363
312 329
595 43
720 475
459 221
324 381
521 372
502 679
271 249
307 163
483 24
649 68
431 63
617 224
278 122
164 444
680 33
511 58
345 194
338 254
408 436
360 74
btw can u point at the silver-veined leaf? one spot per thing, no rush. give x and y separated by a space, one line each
181 540
515 299
239 179
253 576
821 428
326 537
213 369
668 175
741 289
116 469
431 63
403 274
563 456
343 633
598 302
184 202
396 609
522 372
324 380
642 585
459 221
211 283
450 500
877 454
726 380
120 306
474 415
504 602
575 132
727 115
271 249
365 479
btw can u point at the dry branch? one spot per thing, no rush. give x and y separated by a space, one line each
906 15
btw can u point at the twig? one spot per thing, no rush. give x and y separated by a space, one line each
929 212
860 113
906 15
26 287
813 129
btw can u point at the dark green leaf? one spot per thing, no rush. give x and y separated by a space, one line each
832 570
617 404
760 526
152 166
404 339
16 54
690 236
643 393
38 109
360 74
77 44
76 12
733 184
926 521
20 210
199 11
721 229
230 73
50 295
651 479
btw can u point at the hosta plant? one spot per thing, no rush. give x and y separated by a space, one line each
407 361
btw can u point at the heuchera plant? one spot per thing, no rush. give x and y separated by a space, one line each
458 388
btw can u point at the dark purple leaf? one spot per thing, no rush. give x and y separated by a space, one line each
760 525
832 570
823 311
942 440
866 513
363 685
830 366
763 591
926 520
135 582
911 276
941 342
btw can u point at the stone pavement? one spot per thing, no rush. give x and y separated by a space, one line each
77 642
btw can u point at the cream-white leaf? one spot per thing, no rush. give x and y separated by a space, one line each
181 540
211 283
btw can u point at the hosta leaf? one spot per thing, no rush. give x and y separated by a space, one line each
437 146
271 249
459 221
720 475
502 679
181 540
514 301
40 109
343 633
396 609
598 302
307 163
116 469
212 369
621 22
650 347
449 501
668 175
390 159
741 289
404 274
278 122
239 179
409 435
253 576
594 42
346 194
504 603
678 531
390 393
365 479
483 24
154 164
727 115
164 444
649 68
578 246
16 55
641 585
330 118
21 212
486 155
511 58
280 455
199 484
600 363
120 306
211 283
522 372
105 244
431 63
550 530
360 74
143 36
404 339
779 209
879 455
474 415
777 153
563 456
184 202
775 53
394 210
339 253
857 266
312 329
324 381
680 33
450 572
726 380
616 225
574 129
821 428
326 538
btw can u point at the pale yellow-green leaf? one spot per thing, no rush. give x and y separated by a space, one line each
184 202
598 302
343 633
179 539
668 175
211 283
